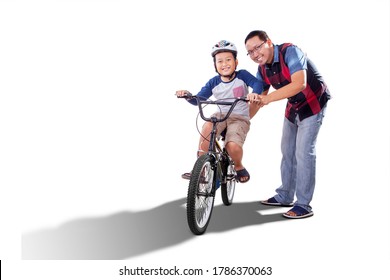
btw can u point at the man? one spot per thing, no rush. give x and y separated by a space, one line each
295 78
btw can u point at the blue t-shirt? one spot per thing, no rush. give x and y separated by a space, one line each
238 87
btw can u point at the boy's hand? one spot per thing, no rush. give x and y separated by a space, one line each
254 98
182 93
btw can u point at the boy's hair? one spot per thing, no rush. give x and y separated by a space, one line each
232 52
259 33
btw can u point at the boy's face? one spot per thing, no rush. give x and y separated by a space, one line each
225 63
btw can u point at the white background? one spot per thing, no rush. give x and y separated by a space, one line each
93 141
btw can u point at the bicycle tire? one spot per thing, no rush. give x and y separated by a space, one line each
201 194
228 184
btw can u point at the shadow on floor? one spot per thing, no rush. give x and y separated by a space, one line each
128 234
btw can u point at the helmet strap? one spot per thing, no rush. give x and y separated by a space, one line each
230 77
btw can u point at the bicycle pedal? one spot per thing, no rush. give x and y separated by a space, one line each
230 177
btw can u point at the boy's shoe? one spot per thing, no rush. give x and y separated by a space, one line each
242 176
186 175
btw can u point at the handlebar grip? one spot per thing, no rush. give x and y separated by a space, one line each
187 95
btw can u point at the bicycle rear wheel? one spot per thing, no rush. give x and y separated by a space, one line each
201 194
228 184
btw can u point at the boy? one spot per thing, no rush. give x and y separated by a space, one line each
229 83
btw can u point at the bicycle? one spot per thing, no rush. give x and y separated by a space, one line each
211 170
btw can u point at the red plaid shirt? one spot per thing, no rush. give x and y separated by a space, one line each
289 59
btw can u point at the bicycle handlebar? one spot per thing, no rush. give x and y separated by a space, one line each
214 102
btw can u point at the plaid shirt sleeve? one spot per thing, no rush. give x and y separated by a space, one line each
295 59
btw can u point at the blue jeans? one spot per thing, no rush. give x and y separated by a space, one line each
298 167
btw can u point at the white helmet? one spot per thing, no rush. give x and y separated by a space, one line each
223 45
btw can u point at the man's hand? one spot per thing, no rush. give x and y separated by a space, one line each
263 100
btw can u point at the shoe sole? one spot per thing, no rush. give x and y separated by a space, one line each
276 204
299 217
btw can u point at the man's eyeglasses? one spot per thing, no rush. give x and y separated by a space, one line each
256 49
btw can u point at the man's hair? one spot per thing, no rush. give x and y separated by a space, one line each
259 33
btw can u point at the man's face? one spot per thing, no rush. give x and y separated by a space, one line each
259 51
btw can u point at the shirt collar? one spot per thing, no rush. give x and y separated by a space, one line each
276 56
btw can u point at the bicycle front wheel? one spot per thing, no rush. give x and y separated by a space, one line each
228 184
201 194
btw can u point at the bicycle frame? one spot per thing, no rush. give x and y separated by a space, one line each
215 150
214 120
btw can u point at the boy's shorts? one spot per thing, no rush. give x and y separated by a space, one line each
237 128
